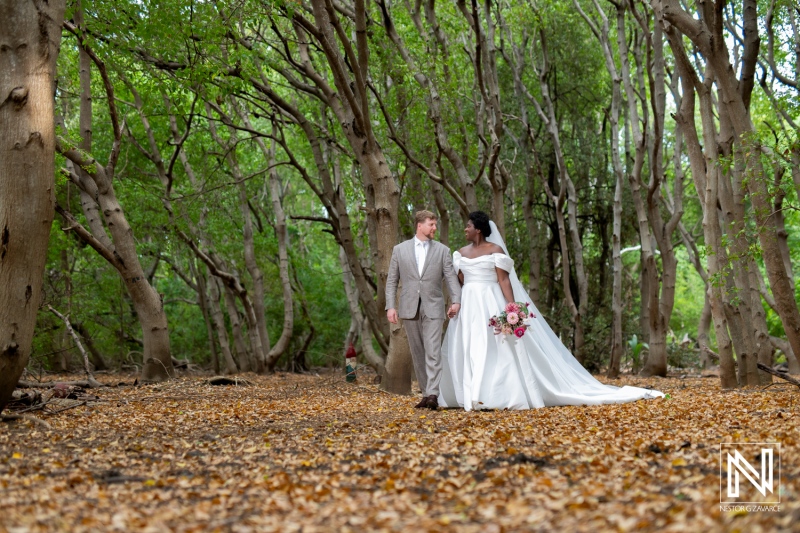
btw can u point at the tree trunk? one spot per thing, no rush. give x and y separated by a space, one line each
398 368
258 329
353 112
282 234
96 181
27 170
242 352
702 330
706 178
707 34
254 309
96 357
202 300
358 320
219 324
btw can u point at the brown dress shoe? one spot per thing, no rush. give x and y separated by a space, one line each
432 402
422 404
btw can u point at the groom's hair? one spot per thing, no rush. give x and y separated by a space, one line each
421 216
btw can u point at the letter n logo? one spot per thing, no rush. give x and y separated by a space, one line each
741 481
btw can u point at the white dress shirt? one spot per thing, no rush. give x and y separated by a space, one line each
421 252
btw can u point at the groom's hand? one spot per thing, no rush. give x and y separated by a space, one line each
453 311
391 314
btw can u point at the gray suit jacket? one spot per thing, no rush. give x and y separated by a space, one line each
426 289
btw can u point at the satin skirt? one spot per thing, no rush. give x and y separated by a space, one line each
481 370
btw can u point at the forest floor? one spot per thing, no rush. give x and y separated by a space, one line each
312 453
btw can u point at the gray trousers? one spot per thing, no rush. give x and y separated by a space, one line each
425 341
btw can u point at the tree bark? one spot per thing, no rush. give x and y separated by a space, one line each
706 178
77 340
219 325
282 234
243 355
353 112
256 320
707 34
96 181
30 34
202 300
96 357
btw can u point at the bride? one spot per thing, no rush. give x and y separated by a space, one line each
482 370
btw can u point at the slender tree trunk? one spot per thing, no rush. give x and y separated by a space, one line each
706 178
703 326
202 300
358 320
95 356
617 346
444 215
27 144
353 112
780 222
254 309
96 181
566 195
707 34
534 234
243 355
65 272
258 330
760 330
601 32
282 234
219 324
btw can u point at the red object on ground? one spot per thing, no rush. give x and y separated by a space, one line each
351 351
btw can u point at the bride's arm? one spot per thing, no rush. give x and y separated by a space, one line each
505 284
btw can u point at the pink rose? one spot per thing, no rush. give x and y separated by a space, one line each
519 332
512 307
512 318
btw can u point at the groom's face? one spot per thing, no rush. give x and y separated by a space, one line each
427 229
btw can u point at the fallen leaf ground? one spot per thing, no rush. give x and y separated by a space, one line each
313 453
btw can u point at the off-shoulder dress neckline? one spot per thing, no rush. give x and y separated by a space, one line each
480 256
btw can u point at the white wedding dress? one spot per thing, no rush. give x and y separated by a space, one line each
482 370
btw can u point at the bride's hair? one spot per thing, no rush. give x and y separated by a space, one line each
481 222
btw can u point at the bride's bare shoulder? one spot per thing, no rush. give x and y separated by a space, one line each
497 249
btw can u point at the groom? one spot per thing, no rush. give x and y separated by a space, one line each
421 264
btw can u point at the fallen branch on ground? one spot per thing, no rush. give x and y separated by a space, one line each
781 375
51 384
29 418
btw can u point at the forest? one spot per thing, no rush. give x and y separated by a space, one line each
230 178
214 188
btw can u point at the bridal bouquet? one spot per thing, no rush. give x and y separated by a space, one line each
514 319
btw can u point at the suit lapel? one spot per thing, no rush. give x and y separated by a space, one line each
411 257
